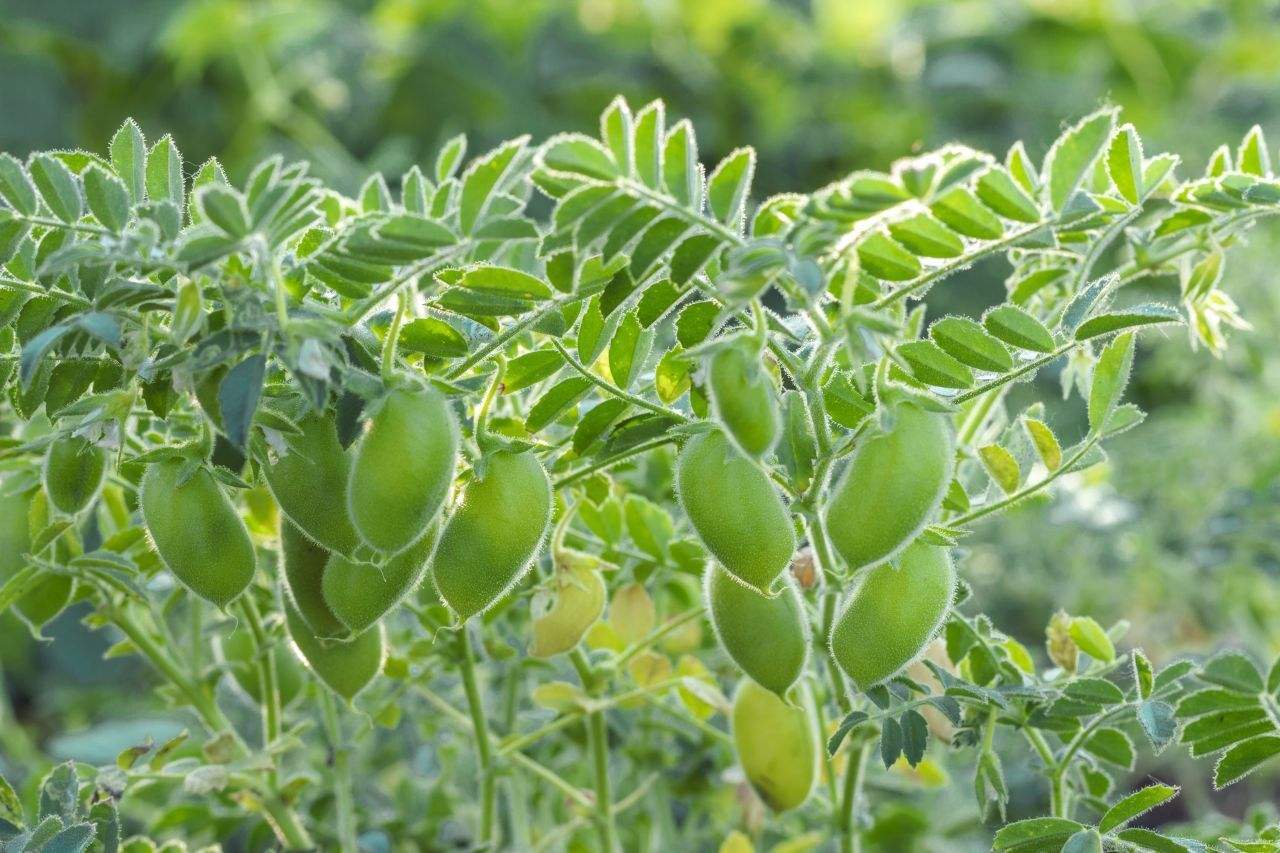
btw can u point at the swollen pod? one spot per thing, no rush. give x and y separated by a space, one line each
777 745
74 469
580 597
744 398
197 531
310 484
735 510
893 614
403 468
360 594
346 668
19 513
766 637
302 565
493 535
892 488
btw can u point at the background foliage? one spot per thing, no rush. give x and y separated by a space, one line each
1178 534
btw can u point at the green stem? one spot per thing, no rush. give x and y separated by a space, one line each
1028 490
573 475
598 747
342 792
668 627
266 664
1057 786
851 801
598 743
827 759
835 676
519 758
1029 367
610 388
962 262
511 745
517 328
286 824
279 291
484 745
393 336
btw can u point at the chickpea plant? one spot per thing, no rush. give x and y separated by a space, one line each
419 501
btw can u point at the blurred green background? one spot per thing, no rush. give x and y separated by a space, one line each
1180 533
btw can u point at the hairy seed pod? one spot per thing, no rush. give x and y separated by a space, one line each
744 398
580 597
494 534
74 469
766 637
302 568
735 510
777 745
310 484
346 668
403 468
197 532
892 488
893 613
20 512
238 651
360 594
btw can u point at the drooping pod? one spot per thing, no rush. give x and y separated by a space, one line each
346 668
302 565
19 513
579 600
493 535
893 614
359 594
777 745
197 531
403 467
743 396
74 469
766 637
892 487
735 510
310 484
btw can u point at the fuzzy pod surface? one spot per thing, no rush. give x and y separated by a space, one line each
310 484
735 509
19 513
744 398
766 637
403 467
197 531
777 745
359 594
893 614
302 566
494 533
892 487
346 668
74 470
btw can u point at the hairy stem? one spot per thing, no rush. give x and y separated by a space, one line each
484 746
598 748
342 793
851 800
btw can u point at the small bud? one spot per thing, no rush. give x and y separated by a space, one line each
1063 650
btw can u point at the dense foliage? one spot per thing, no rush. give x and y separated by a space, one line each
296 404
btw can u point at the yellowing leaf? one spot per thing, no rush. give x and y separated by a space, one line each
631 614
559 696
736 842
649 668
